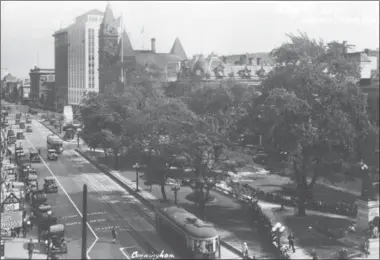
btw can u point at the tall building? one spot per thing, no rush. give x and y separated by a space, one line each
79 43
114 43
61 61
42 86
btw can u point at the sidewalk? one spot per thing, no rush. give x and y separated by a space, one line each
17 248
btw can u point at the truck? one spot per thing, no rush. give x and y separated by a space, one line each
54 142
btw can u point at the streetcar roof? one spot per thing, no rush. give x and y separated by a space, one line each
192 225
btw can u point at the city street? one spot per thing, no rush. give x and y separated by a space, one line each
108 205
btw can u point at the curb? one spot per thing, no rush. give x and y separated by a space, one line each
145 201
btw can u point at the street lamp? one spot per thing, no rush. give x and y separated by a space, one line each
79 131
137 167
176 187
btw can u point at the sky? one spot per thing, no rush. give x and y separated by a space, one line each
202 27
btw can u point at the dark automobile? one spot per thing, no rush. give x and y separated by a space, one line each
20 135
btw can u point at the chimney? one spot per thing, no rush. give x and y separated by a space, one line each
153 45
258 61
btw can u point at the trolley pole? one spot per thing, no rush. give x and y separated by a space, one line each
84 223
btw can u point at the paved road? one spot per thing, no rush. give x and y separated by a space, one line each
108 204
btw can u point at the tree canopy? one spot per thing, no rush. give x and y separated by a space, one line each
311 111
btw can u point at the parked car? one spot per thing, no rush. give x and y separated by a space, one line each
29 129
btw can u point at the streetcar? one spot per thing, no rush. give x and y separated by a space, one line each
54 142
183 231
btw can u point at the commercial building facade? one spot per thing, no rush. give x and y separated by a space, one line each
83 60
61 64
42 84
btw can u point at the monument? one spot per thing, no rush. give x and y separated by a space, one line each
368 204
368 211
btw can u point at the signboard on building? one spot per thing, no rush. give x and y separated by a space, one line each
11 203
11 220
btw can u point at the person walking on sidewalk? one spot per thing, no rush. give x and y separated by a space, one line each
114 234
18 230
291 242
30 249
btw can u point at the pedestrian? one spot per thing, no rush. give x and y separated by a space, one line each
30 249
18 231
366 248
46 246
114 234
291 242
24 228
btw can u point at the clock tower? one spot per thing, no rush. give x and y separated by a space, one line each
108 42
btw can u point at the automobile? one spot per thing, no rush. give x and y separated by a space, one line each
28 120
50 185
11 139
20 135
38 199
22 125
57 237
261 158
32 112
10 133
34 156
29 129
52 155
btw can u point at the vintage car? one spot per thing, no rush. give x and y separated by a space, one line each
29 129
58 243
50 185
32 111
34 156
38 199
11 139
28 120
10 172
22 125
32 181
20 136
52 154
10 133
19 150
44 218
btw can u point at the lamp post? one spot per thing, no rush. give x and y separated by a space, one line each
176 187
79 131
137 167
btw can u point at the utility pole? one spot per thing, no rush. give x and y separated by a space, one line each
84 223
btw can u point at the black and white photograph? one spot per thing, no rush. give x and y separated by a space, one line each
189 130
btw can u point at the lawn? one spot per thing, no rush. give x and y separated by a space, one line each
266 182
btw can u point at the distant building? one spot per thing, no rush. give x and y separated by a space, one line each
76 58
9 86
61 66
114 44
25 90
42 83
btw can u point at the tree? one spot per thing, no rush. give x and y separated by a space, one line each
175 139
221 103
311 113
